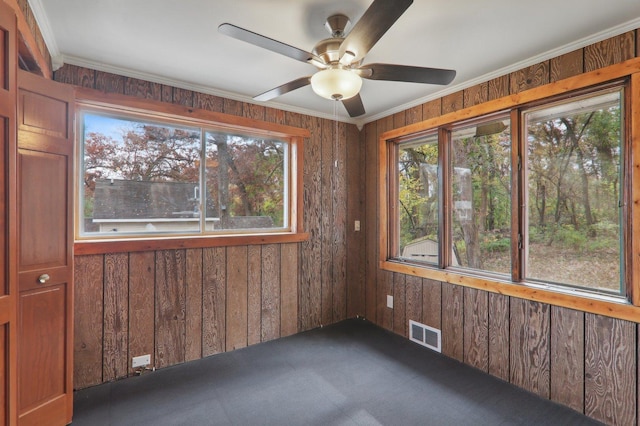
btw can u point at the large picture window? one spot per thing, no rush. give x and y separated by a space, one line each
144 176
459 202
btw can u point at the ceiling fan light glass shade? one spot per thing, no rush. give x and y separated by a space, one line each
336 83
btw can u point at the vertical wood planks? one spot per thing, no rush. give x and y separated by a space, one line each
326 222
413 297
476 328
432 303
141 313
116 305
385 288
88 320
255 111
528 78
567 357
476 95
529 341
193 301
142 89
170 307
354 192
400 325
610 370
288 289
499 336
75 75
254 296
208 102
109 83
610 51
452 321
452 102
213 300
310 291
414 115
432 109
498 87
567 65
370 222
236 288
338 229
270 292
182 97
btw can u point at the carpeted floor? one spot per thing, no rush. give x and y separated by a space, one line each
350 373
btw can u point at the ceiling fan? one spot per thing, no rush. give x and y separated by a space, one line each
339 58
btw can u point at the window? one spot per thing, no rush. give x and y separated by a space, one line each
143 175
480 196
418 199
573 192
554 219
246 180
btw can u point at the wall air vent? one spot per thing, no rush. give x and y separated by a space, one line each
425 335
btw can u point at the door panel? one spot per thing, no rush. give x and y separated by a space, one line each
43 114
43 242
42 326
8 281
45 265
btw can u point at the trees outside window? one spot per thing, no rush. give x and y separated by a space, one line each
574 192
418 199
480 195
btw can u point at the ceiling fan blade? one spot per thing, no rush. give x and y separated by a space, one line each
285 88
377 19
406 73
269 44
354 106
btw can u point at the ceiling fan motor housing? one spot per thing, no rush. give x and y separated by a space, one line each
337 25
329 50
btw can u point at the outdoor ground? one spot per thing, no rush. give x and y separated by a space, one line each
552 263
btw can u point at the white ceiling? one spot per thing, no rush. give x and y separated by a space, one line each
177 42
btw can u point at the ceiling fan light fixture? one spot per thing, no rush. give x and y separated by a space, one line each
336 83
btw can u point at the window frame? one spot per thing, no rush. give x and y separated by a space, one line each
120 105
619 307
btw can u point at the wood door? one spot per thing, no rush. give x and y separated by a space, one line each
45 258
8 283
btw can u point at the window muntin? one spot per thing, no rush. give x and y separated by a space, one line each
481 196
146 177
418 199
573 192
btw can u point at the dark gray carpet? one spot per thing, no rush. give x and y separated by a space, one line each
351 373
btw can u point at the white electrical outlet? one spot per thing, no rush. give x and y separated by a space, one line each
140 361
357 226
389 301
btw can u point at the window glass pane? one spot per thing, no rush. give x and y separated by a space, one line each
418 199
138 177
246 182
481 196
573 165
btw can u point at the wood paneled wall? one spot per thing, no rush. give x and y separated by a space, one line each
180 305
585 361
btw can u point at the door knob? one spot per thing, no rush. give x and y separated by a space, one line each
43 278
